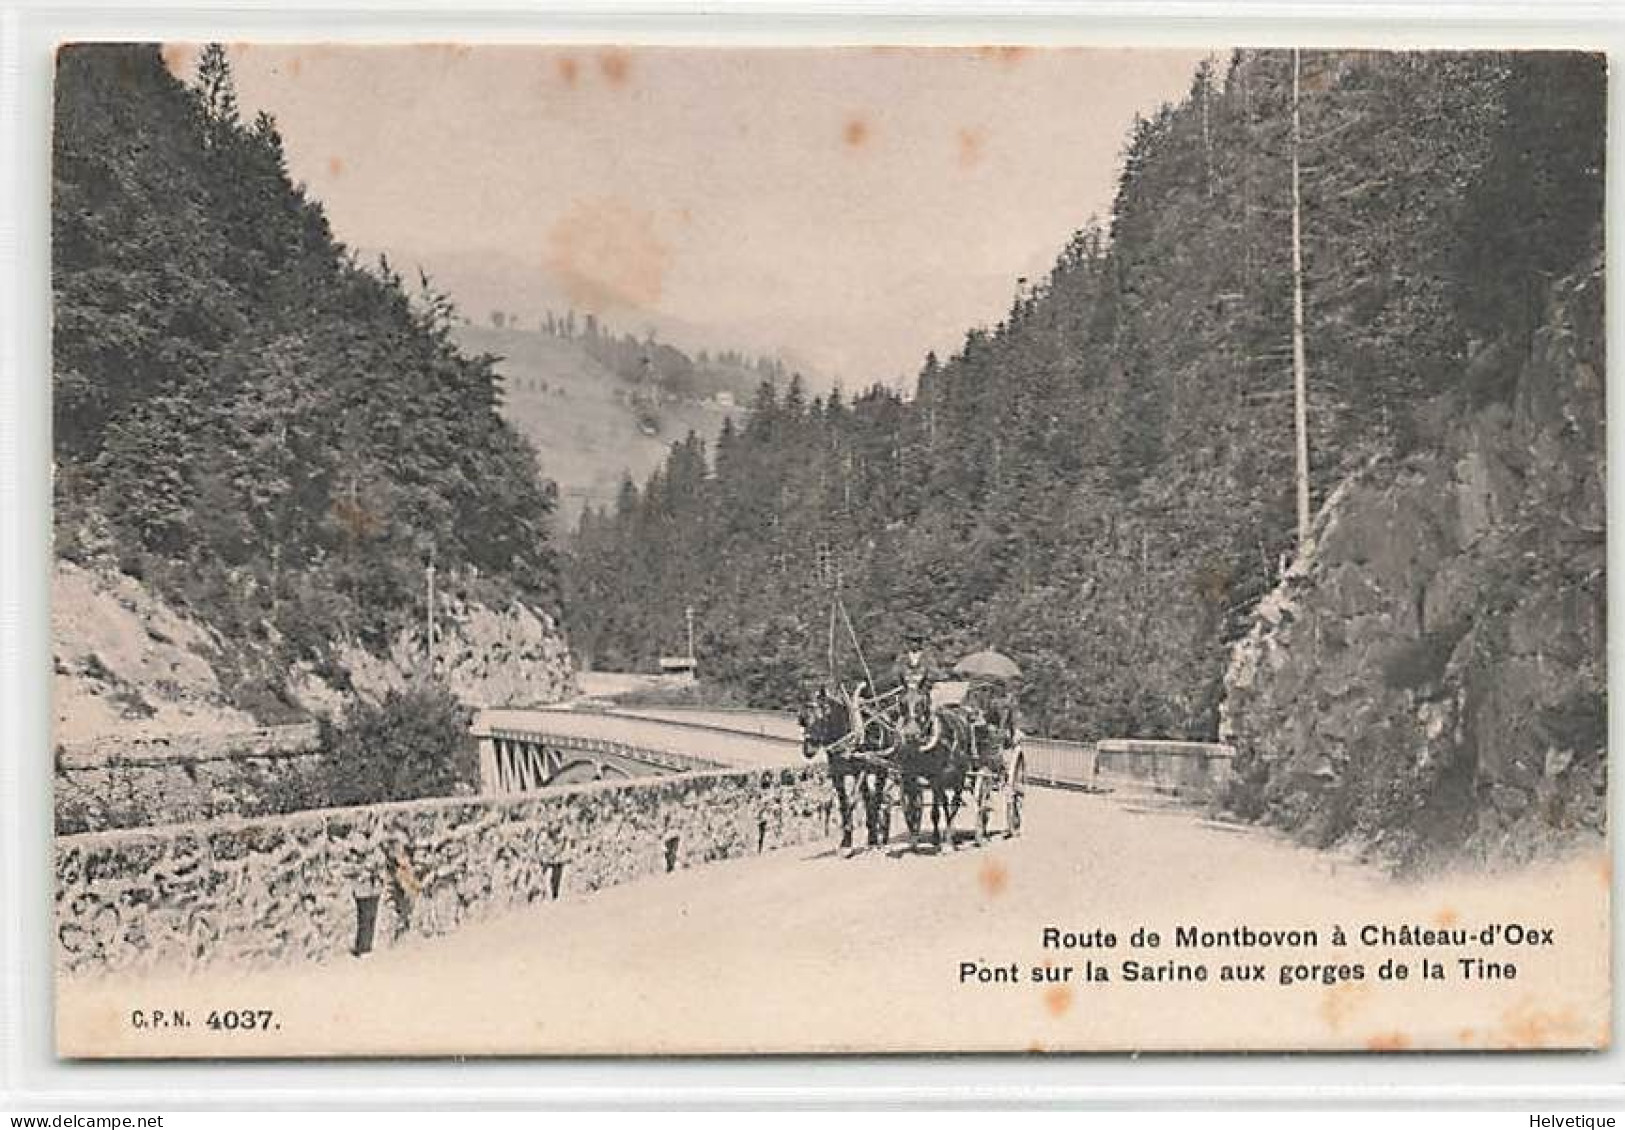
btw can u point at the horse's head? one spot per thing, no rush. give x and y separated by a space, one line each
823 721
914 713
809 716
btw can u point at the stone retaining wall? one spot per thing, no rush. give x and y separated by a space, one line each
133 781
292 888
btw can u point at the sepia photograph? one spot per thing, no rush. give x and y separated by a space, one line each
610 550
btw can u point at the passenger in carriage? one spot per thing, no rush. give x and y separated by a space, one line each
978 709
1005 716
991 709
1001 715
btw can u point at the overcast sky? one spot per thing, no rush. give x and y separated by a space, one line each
851 208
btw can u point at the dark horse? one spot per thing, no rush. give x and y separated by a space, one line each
935 749
826 725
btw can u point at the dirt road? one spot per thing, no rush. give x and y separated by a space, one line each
802 951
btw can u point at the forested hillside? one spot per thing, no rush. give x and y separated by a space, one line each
1103 483
274 437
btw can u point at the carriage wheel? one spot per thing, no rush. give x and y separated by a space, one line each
1015 795
984 804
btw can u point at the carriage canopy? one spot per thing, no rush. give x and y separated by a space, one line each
988 665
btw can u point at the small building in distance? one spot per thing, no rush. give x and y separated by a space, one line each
680 668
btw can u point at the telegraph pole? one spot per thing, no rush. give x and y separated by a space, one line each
1300 376
429 611
688 617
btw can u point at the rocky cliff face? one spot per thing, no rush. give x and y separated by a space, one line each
511 657
1429 681
128 662
131 665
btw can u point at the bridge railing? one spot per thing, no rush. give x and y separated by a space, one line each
1190 770
1060 764
738 720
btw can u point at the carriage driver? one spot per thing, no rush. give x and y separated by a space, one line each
857 700
916 672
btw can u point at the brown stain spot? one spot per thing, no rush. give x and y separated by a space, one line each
335 166
356 519
1446 917
855 133
295 66
972 143
176 56
1058 1000
993 878
1036 1048
1388 1042
569 70
1339 1003
616 67
1007 54
1605 870
405 875
1526 1025
608 254
1465 1035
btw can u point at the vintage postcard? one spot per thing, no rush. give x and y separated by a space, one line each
611 550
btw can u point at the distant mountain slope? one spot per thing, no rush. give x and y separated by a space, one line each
583 419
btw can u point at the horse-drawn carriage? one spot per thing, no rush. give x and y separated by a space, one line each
959 739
